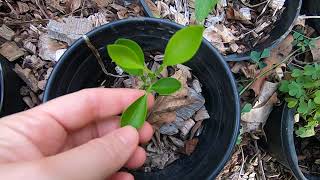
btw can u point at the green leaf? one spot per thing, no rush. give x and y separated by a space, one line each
284 86
183 45
239 139
136 113
265 53
292 102
296 73
296 35
166 86
317 99
309 70
303 107
124 57
133 46
255 56
203 8
308 130
296 89
246 108
262 65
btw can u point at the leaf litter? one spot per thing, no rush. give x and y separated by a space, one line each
232 27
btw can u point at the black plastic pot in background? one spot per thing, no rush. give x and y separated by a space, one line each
10 98
78 69
281 30
279 130
312 8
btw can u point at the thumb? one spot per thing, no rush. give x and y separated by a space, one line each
96 159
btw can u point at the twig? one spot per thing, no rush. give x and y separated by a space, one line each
260 161
97 55
11 8
253 6
264 10
244 159
308 17
41 9
267 71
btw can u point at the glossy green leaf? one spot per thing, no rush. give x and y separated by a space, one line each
166 86
308 130
303 107
284 86
296 89
246 108
296 73
124 57
133 46
183 45
203 8
265 53
292 102
317 99
136 113
255 56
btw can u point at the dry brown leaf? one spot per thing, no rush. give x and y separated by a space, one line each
157 119
48 47
6 32
277 55
259 114
190 146
154 9
316 51
195 128
103 3
73 5
11 51
256 86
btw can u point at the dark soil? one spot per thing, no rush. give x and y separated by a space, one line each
308 151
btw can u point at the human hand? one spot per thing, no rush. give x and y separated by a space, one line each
74 137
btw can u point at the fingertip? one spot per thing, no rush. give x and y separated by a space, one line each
150 100
128 135
137 159
121 176
145 133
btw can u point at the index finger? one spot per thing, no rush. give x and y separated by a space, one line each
78 109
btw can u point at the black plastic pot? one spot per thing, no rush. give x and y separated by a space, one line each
282 28
10 98
312 8
78 69
279 130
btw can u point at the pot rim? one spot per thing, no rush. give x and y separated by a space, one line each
220 58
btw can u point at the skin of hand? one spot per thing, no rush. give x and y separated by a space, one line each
73 137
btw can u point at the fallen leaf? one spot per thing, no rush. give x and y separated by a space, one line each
154 9
277 55
190 146
157 119
73 5
48 47
11 51
316 50
255 119
103 3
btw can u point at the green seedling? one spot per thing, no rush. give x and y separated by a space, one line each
128 55
302 41
203 8
303 93
256 57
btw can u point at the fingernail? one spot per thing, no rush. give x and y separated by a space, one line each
128 135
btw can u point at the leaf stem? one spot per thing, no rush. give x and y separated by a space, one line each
267 71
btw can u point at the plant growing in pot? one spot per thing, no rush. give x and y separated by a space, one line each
292 130
79 69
